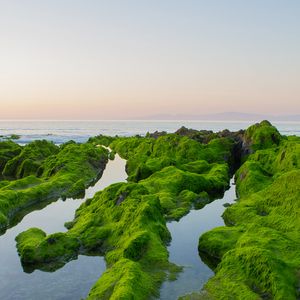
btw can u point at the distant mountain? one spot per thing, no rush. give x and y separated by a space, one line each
225 116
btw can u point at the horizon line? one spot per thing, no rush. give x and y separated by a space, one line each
143 120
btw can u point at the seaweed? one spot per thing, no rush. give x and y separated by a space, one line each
258 251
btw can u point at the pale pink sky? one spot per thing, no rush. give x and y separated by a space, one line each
111 60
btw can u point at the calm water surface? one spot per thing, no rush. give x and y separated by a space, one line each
75 279
184 246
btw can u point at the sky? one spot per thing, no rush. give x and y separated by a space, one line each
93 59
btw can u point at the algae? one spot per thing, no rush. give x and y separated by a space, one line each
41 171
126 222
255 256
258 252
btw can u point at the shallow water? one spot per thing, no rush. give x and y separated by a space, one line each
184 246
75 279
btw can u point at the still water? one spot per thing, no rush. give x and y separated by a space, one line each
183 249
75 279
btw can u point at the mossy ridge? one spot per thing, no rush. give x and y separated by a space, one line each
126 222
36 240
177 168
28 161
147 155
261 136
179 190
259 256
64 173
8 150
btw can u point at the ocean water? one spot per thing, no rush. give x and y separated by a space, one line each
79 131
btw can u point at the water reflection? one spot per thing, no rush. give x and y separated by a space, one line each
184 246
75 279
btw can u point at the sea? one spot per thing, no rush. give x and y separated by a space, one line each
80 131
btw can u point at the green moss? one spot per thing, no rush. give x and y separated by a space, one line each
146 156
262 135
3 222
33 247
112 155
77 189
178 190
201 200
131 229
251 177
29 159
136 246
28 241
256 256
260 254
198 166
8 150
101 140
126 222
125 280
172 163
218 241
63 172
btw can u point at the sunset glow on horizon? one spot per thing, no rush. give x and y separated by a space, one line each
132 59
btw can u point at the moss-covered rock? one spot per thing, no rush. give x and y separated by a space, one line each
28 161
126 222
168 174
259 256
33 247
261 136
124 280
145 156
62 172
218 241
8 150
131 231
